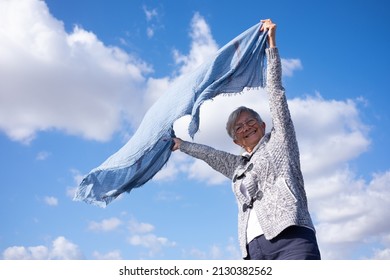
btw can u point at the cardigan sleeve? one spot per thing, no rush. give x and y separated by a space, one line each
223 162
283 128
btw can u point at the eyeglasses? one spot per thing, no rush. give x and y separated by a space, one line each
240 127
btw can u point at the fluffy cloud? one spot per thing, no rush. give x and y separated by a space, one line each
203 46
113 255
290 65
51 79
150 241
142 235
51 201
42 155
61 249
152 17
136 227
105 224
353 214
73 82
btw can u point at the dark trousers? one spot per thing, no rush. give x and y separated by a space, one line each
294 243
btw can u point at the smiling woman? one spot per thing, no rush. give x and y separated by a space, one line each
273 216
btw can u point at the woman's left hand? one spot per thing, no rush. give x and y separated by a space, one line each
271 27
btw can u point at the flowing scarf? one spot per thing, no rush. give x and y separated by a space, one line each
237 65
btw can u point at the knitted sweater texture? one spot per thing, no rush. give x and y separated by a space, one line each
272 174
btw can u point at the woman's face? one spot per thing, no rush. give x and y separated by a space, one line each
248 131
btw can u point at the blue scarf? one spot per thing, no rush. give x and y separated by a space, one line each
237 65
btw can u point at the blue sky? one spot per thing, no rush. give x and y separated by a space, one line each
76 78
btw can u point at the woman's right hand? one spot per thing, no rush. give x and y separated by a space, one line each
177 143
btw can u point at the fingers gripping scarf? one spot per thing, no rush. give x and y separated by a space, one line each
237 65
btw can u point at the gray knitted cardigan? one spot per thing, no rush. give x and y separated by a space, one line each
272 174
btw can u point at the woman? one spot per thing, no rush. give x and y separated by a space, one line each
273 217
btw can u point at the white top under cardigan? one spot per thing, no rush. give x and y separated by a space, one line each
253 229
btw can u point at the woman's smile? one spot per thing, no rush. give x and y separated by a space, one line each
250 133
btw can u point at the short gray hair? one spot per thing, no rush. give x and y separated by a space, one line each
230 125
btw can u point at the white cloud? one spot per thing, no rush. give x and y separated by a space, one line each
150 13
177 163
139 227
382 254
141 235
167 196
330 133
200 171
23 253
51 200
152 17
71 191
353 213
150 241
42 155
113 255
203 46
150 32
51 79
155 88
61 249
290 65
105 225
153 243
77 178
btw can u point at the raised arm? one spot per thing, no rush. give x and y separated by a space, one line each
271 27
280 113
